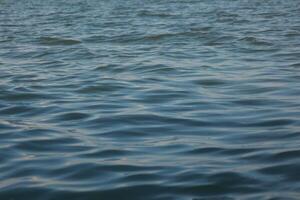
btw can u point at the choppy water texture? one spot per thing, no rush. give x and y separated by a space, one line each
136 99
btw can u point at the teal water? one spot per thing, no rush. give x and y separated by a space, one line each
170 99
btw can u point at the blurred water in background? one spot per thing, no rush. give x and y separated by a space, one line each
170 99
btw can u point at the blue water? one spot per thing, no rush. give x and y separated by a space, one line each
136 99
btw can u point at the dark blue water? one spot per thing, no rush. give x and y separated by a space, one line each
136 99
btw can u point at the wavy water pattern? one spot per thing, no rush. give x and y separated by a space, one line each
149 99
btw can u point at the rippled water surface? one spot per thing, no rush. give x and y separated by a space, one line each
136 99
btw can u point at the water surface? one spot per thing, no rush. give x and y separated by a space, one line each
152 99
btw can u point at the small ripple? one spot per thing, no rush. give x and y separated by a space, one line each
207 151
13 110
286 155
215 189
147 13
233 179
51 145
255 41
107 153
124 134
57 41
24 192
289 171
17 96
253 102
210 82
70 116
141 177
104 87
155 69
204 150
272 123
